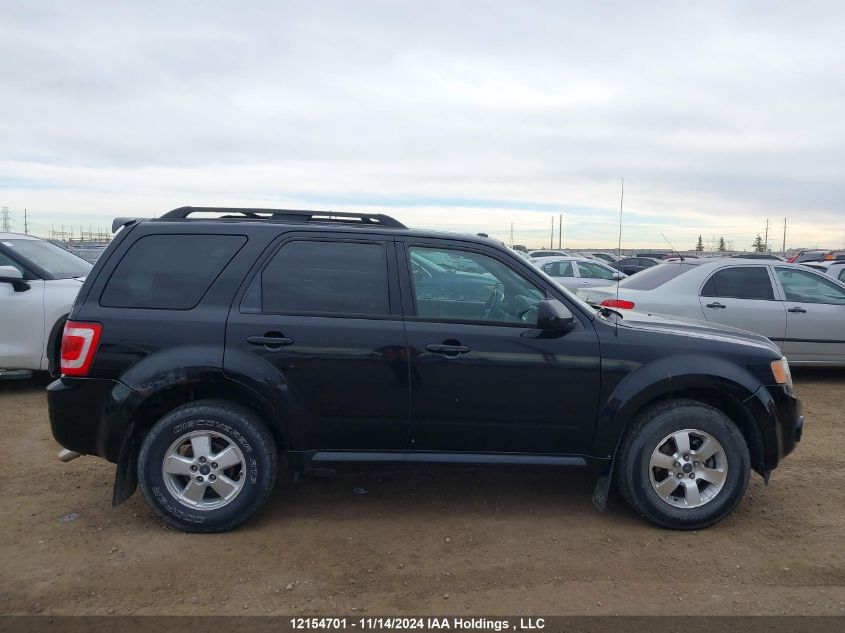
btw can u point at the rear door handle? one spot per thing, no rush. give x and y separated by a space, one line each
716 304
269 341
797 309
448 350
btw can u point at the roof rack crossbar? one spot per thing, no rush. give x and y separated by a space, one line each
290 215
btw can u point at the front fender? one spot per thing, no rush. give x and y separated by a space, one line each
660 378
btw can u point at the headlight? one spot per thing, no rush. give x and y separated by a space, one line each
780 370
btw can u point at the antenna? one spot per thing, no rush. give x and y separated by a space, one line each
672 247
619 247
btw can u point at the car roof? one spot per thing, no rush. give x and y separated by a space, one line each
272 219
17 236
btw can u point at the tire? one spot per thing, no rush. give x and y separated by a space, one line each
184 485
653 450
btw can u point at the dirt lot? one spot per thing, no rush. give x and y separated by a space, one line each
441 540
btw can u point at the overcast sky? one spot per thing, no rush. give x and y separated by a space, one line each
460 115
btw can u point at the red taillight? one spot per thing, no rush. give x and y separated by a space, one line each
618 303
79 344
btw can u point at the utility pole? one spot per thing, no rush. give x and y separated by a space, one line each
5 220
783 250
25 223
560 232
552 237
766 240
511 234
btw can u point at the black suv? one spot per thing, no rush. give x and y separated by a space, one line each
200 349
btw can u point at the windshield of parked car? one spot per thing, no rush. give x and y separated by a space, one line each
56 262
656 276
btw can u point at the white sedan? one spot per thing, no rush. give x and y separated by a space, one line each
799 309
38 283
578 272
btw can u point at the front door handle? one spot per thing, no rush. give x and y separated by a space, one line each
270 340
448 350
716 305
797 309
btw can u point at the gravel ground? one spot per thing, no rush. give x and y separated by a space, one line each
425 541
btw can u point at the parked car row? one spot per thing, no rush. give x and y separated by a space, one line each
796 307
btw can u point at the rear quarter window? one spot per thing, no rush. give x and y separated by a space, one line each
169 272
656 276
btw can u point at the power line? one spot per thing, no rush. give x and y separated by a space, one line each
6 220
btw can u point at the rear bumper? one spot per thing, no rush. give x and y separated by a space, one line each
88 415
779 416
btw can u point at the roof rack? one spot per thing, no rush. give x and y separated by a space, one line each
289 215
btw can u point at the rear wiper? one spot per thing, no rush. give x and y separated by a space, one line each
605 311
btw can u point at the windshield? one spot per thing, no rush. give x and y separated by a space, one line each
656 276
56 262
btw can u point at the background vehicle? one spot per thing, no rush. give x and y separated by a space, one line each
548 253
801 310
835 269
633 265
807 256
578 272
199 349
38 283
607 257
757 256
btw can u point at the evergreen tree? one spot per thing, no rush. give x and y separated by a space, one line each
722 247
758 245
700 245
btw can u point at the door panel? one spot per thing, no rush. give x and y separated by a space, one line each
22 326
815 316
493 382
320 327
743 297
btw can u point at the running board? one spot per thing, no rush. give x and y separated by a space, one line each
416 457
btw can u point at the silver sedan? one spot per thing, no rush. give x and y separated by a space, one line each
799 309
578 272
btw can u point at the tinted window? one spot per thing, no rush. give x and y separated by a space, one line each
558 269
655 276
499 294
746 282
169 271
594 271
808 287
327 277
842 275
641 261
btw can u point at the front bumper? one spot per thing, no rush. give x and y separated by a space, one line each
778 413
88 415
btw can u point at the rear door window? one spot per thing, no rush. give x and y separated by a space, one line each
594 271
322 277
741 282
558 269
169 272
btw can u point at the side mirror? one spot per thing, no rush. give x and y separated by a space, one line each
553 315
617 276
11 275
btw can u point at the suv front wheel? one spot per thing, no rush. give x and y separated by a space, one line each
207 466
683 465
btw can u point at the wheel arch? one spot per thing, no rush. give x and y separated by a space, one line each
53 349
153 406
724 386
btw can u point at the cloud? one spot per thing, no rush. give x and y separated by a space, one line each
453 115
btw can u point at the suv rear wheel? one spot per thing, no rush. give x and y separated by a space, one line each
207 466
683 464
